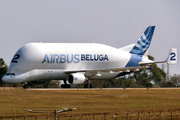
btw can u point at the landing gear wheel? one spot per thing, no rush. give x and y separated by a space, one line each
90 86
65 86
25 86
86 86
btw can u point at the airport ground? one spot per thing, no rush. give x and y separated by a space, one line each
14 101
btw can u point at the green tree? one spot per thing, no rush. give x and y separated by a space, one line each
174 81
120 83
145 77
3 70
158 75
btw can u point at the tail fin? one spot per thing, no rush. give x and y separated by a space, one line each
143 42
172 57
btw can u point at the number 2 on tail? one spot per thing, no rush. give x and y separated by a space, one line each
173 56
17 56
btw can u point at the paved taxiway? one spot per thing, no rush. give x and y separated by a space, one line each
64 89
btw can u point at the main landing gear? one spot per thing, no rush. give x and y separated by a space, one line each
88 85
65 85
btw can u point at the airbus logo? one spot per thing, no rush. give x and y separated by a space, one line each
73 58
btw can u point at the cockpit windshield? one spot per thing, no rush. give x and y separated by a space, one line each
10 74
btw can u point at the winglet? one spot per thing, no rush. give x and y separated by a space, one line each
172 57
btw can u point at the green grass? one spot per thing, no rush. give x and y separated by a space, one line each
14 101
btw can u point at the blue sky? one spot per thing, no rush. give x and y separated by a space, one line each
113 22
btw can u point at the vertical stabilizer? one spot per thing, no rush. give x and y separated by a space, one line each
144 41
172 57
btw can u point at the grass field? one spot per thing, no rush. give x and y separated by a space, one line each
17 100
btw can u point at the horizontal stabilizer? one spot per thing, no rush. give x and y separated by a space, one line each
172 58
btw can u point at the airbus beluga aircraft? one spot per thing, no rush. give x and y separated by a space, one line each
77 62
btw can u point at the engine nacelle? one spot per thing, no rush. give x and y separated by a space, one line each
76 78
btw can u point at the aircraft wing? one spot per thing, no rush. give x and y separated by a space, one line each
112 70
172 59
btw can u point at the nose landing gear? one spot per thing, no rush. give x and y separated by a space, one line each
25 85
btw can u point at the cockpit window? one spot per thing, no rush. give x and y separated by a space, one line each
10 74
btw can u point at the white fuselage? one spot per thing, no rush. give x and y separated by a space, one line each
50 61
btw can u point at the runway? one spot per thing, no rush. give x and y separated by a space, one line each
84 89
91 89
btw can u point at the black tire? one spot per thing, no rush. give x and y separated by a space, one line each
65 86
25 86
86 86
68 86
90 86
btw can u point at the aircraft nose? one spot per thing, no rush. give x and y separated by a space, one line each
4 78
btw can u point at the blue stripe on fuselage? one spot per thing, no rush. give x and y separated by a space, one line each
134 61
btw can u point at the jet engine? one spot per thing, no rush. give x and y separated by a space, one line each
76 78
